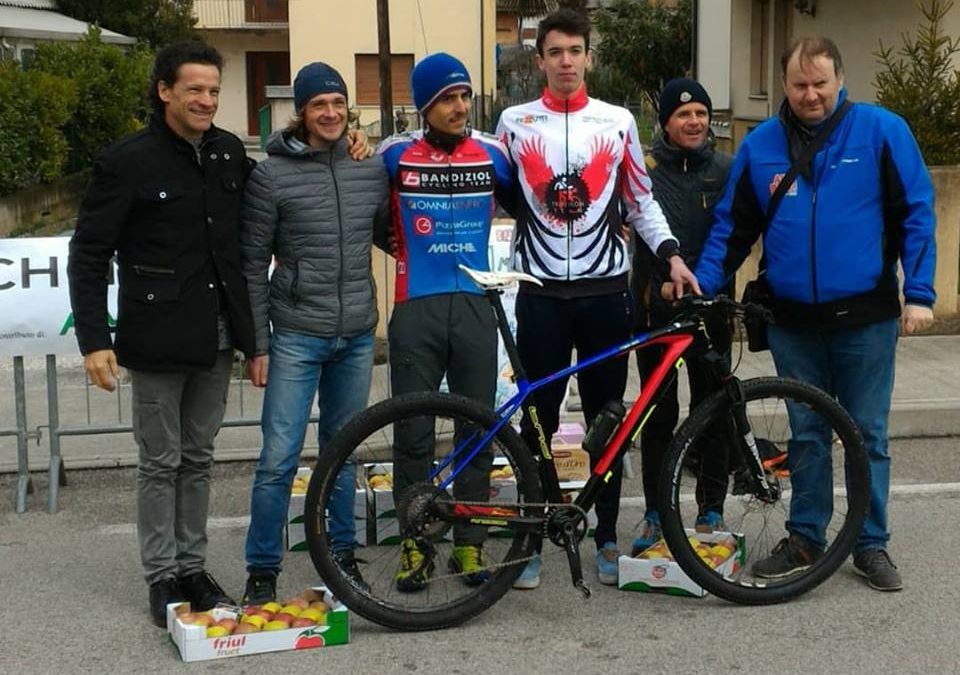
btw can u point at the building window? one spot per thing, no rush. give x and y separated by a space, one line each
759 47
368 78
28 56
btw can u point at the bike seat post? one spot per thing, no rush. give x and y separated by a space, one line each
503 325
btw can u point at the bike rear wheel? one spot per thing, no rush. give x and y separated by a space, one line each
446 422
821 478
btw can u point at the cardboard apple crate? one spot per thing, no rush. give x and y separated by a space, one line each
194 645
293 532
663 575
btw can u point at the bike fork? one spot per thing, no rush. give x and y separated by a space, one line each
762 488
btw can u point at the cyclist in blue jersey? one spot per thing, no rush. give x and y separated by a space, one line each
444 181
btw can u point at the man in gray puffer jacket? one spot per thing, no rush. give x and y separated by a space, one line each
312 209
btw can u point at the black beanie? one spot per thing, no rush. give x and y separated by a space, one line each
316 78
679 92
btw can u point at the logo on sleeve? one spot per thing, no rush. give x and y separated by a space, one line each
775 182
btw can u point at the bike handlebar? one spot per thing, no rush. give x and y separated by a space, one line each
721 304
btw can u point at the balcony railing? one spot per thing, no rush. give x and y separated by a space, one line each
257 14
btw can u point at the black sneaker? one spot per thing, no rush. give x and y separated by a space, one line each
162 593
790 556
348 564
261 587
203 592
879 570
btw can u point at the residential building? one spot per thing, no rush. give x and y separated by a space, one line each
254 38
25 23
740 42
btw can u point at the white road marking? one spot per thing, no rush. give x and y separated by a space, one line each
241 522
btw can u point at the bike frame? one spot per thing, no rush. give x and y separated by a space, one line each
676 337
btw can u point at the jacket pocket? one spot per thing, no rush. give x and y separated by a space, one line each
151 284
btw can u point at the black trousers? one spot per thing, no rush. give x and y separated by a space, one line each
711 454
452 334
548 329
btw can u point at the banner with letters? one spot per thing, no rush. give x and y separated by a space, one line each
35 316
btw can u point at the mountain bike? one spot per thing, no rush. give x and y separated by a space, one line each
745 422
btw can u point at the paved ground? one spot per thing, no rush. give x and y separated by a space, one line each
74 601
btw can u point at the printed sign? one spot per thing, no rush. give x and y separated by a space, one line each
35 316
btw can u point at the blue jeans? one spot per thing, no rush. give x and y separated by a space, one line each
856 366
339 371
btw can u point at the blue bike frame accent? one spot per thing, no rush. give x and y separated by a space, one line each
506 411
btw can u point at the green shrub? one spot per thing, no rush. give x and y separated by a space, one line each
110 84
34 106
922 85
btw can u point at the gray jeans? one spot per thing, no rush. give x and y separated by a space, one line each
175 419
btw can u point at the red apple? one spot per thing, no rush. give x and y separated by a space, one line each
302 603
283 616
300 622
246 628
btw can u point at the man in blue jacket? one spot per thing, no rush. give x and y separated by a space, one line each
864 202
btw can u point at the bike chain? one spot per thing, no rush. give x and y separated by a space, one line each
493 566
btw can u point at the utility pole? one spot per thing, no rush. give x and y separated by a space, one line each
386 75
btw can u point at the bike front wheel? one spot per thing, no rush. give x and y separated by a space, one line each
441 593
754 547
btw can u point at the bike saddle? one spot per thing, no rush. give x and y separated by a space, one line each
498 280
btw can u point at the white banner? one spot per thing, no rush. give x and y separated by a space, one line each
35 316
500 261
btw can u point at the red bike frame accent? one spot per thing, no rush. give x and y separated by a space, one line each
676 345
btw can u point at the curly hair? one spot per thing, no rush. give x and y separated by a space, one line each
166 66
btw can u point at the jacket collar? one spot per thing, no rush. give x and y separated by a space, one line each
578 101
159 126
666 153
800 135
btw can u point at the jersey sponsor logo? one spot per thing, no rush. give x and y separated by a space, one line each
423 225
453 247
410 178
530 119
775 183
447 179
415 204
591 119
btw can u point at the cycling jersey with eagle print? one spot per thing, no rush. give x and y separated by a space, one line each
581 172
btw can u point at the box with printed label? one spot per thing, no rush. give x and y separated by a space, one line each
569 457
189 632
655 570
293 533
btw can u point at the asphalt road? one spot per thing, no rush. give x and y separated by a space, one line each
74 600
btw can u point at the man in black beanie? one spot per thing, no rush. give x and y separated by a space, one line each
688 177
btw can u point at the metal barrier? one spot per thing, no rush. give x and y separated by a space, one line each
56 431
24 484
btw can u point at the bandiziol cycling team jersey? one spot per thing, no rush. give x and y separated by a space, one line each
442 207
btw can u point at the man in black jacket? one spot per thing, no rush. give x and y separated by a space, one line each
166 201
688 177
